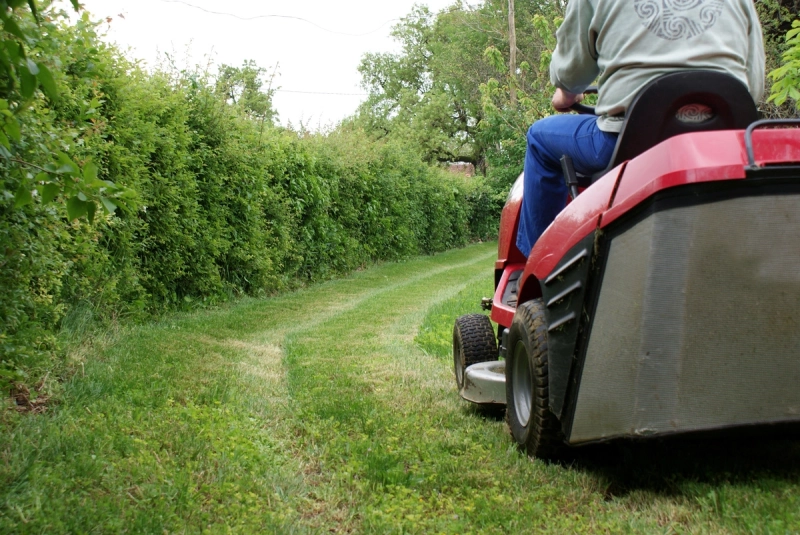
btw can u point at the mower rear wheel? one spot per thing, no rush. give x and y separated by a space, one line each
473 342
534 428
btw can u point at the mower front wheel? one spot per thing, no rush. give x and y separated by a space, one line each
473 342
534 428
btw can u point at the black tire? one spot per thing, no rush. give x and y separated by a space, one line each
534 428
473 342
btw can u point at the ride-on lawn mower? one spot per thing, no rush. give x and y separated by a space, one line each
665 298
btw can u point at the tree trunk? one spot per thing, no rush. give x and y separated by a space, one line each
512 61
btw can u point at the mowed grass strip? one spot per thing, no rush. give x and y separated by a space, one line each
334 409
185 424
392 449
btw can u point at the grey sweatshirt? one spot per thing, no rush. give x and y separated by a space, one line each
628 43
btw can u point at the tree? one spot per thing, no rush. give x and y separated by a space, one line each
453 88
786 78
243 87
28 76
429 93
512 51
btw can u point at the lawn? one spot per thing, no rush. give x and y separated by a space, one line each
334 409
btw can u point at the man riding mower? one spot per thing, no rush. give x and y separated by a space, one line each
665 298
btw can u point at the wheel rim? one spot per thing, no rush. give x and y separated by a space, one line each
522 384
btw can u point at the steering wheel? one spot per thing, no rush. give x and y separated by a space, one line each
583 109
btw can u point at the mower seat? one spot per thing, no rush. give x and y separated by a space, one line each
680 103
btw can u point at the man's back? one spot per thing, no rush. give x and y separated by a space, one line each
628 43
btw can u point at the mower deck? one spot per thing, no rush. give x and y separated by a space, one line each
485 383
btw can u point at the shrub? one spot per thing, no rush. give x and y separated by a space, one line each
219 203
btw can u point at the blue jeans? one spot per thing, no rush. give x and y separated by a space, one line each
545 193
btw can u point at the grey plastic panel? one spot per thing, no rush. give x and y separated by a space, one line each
697 324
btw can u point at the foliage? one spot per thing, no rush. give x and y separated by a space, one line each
29 60
504 126
219 201
243 85
448 91
786 78
430 93
415 96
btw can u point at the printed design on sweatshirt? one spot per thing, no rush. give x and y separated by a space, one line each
678 19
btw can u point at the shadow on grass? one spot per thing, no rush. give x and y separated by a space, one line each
492 413
662 466
670 466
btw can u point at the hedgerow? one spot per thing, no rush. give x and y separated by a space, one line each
216 205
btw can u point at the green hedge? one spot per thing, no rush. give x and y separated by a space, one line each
223 208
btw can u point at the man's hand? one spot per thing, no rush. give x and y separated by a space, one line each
562 100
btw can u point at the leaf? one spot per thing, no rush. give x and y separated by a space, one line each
32 67
91 208
14 50
108 205
22 197
90 172
76 4
50 192
11 27
27 82
48 83
67 166
34 10
4 140
76 208
12 129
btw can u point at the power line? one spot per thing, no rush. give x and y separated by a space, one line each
322 93
234 15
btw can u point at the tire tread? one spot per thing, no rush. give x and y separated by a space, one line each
544 438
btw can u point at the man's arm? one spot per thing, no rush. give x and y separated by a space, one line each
574 63
755 57
562 100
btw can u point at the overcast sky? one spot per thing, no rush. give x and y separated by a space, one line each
317 55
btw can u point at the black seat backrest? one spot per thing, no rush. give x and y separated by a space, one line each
679 103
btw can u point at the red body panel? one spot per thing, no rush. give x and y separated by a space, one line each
701 157
577 220
509 221
504 314
685 159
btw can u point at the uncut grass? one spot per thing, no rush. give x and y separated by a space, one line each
183 424
318 411
153 438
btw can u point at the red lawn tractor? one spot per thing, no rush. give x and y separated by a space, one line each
665 298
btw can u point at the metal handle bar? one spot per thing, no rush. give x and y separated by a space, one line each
748 136
583 109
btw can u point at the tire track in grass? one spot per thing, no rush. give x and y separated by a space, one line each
361 388
186 424
388 447
258 329
315 412
268 387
